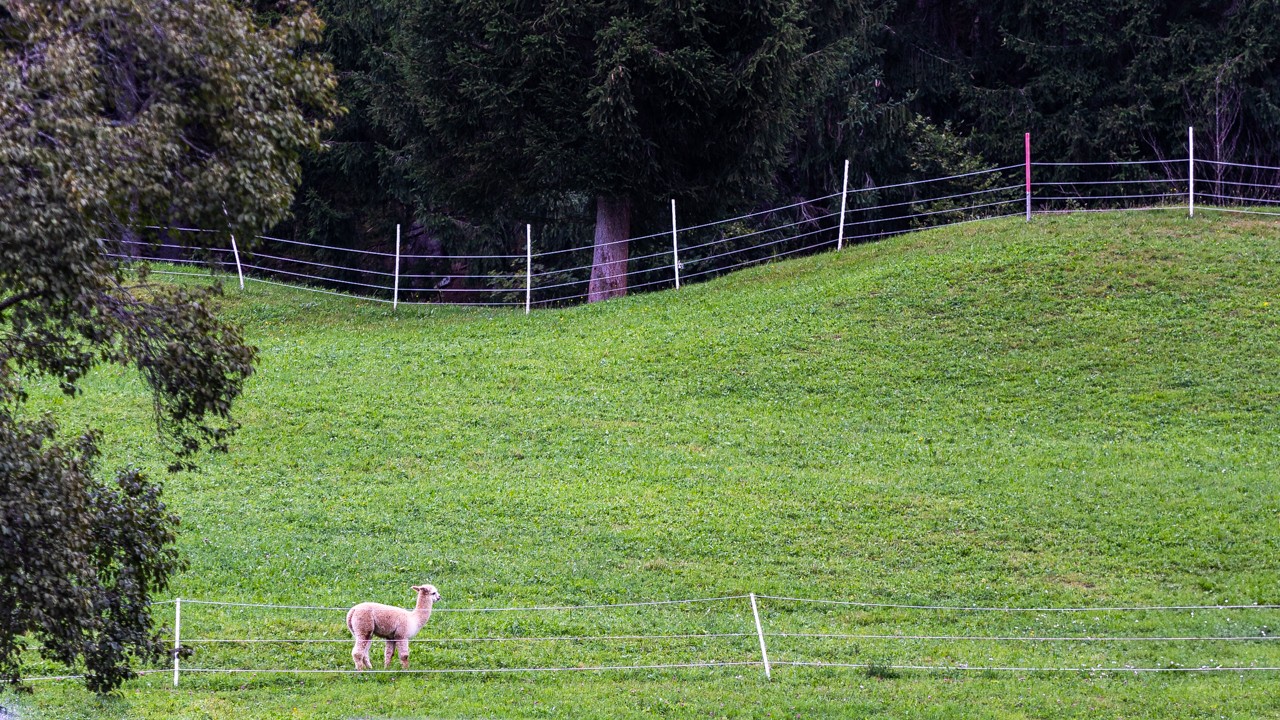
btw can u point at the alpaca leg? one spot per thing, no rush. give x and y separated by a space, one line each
390 653
403 647
360 654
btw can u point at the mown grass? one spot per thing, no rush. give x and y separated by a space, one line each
1079 411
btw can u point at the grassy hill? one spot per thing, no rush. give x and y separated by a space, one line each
1080 411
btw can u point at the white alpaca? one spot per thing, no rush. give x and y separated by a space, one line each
369 620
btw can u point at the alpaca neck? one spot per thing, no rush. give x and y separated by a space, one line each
421 613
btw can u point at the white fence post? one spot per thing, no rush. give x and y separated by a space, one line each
764 652
1191 172
844 194
395 293
1028 147
236 251
528 266
177 632
675 244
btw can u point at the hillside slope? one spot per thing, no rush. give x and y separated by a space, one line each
1080 411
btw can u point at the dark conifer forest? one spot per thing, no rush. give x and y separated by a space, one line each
466 119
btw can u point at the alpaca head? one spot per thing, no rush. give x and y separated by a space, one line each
429 590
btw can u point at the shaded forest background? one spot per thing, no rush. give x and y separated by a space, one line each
904 90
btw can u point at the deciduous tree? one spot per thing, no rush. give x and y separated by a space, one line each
116 115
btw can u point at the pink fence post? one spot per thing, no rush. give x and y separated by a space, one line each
1028 148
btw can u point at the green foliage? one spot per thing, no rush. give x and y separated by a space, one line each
641 100
941 153
531 107
844 108
1077 411
938 152
1113 80
354 190
81 558
116 114
477 117
882 672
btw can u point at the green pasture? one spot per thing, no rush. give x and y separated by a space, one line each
1079 411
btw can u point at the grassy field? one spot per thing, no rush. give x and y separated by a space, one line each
1080 411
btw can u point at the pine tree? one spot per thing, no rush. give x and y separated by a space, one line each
1110 80
626 102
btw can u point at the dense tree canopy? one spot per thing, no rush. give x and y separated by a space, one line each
871 82
1117 79
116 115
620 101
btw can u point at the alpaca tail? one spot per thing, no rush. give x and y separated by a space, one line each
349 614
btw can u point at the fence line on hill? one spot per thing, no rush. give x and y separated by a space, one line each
756 630
551 277
764 637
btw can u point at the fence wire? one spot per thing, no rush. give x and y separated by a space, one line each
776 609
719 246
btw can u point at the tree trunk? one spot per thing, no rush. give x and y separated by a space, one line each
609 265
